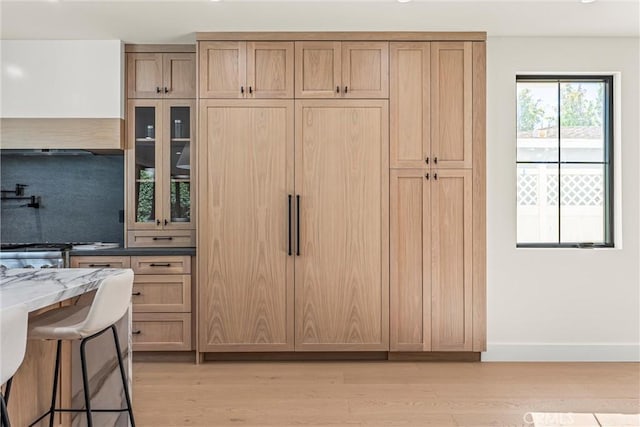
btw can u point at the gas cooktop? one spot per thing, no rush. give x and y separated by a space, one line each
35 247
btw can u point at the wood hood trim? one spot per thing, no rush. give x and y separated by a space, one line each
62 133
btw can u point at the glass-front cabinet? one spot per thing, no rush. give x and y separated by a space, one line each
159 168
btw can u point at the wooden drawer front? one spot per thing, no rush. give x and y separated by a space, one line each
100 262
161 239
161 264
161 331
166 293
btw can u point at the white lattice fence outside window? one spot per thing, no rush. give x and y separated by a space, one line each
581 213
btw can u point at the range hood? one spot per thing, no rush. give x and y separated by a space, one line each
62 94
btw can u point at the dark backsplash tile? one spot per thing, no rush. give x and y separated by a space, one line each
81 198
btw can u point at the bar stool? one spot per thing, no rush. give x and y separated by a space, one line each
110 303
13 343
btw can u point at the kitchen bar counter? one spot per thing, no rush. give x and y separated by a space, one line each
134 252
38 289
41 290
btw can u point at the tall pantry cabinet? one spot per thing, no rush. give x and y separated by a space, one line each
437 196
340 189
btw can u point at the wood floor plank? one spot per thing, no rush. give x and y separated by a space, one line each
376 393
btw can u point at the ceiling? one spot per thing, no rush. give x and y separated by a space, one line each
167 21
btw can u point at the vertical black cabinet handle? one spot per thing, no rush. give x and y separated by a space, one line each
289 236
242 89
426 160
250 89
346 89
157 222
435 176
157 89
435 160
337 89
427 176
166 90
297 225
166 222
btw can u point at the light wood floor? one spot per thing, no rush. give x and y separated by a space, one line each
376 393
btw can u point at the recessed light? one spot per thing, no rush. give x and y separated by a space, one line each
587 1
404 1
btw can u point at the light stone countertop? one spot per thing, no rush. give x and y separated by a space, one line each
37 289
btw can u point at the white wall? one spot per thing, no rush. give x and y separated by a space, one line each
561 304
62 78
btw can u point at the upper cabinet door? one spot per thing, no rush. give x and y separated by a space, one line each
144 75
270 69
451 104
223 69
179 71
410 113
144 164
318 70
365 69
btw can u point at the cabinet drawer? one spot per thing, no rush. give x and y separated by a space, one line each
100 261
164 293
161 331
161 239
161 264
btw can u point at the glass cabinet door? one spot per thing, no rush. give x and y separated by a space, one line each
145 143
180 131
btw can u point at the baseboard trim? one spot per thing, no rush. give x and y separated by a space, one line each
295 356
546 352
164 356
435 356
341 356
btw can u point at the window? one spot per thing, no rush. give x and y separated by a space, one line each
564 161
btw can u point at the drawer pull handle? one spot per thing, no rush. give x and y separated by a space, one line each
136 332
136 294
100 265
159 265
163 238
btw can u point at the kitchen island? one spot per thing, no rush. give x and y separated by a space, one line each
41 290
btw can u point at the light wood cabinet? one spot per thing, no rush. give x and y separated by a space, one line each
357 223
161 331
327 69
161 298
162 293
161 75
410 261
410 104
341 273
246 69
159 185
246 176
168 264
100 262
431 260
431 103
451 104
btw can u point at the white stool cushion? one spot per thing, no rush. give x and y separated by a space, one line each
13 340
59 324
